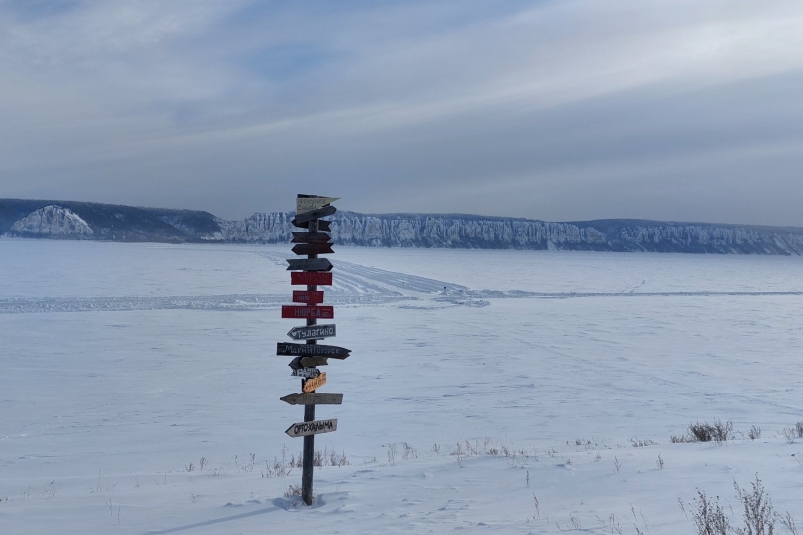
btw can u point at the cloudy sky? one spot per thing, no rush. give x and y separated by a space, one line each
686 110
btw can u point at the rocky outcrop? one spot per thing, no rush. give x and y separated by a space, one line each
273 227
52 222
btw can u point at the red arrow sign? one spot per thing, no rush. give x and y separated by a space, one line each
311 278
308 297
322 312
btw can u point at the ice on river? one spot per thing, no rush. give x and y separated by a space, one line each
124 363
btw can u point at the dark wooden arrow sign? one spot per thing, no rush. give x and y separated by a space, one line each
307 296
311 237
313 248
306 217
323 225
308 362
309 264
311 350
325 312
314 427
313 399
313 332
319 278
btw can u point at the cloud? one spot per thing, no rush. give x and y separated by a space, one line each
560 110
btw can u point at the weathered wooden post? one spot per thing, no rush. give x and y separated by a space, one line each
311 271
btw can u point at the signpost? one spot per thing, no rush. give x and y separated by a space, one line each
311 237
309 264
311 278
311 350
310 298
309 217
323 225
310 428
312 384
315 332
326 312
313 248
308 203
311 272
313 399
306 373
308 362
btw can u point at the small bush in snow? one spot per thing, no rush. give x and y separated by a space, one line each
641 442
292 490
759 518
708 515
704 432
788 523
754 433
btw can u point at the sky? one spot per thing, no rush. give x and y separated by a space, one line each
682 110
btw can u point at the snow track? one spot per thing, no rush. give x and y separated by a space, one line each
354 284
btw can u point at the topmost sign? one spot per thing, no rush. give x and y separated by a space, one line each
309 203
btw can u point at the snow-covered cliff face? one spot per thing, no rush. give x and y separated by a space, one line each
459 231
52 222
272 227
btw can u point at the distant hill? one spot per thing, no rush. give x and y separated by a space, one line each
111 222
94 221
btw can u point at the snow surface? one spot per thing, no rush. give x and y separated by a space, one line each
124 363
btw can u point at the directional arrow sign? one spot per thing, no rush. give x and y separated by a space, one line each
323 225
309 264
306 217
311 278
306 373
313 399
311 237
308 362
311 350
308 204
313 248
311 297
313 332
311 385
314 427
326 312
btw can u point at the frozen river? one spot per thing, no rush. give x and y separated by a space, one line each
122 363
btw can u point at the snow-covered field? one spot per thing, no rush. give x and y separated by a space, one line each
121 364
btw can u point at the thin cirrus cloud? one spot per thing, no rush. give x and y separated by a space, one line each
563 110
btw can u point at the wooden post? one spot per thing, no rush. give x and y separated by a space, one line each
309 412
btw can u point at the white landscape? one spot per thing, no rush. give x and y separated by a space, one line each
486 392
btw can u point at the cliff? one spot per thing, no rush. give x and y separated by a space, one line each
470 231
94 221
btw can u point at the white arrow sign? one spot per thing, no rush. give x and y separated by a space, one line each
313 332
307 373
308 204
315 427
